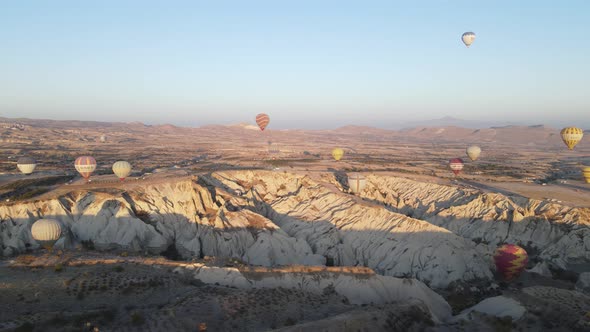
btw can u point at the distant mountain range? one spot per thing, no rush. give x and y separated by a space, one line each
451 121
448 129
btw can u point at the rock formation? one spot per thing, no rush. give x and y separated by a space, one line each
425 231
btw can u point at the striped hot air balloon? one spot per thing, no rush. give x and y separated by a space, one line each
356 182
26 165
586 173
468 38
456 165
262 120
122 169
46 232
337 153
510 260
85 165
571 136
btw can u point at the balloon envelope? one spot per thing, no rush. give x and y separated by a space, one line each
122 169
473 152
337 153
571 136
356 182
262 120
46 232
586 173
468 38
456 165
85 165
26 165
510 260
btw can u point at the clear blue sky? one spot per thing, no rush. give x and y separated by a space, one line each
308 63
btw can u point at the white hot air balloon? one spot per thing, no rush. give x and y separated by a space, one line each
473 152
26 165
122 169
468 38
46 232
356 182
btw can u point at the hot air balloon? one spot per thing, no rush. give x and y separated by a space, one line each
586 173
26 165
571 136
262 120
468 38
85 165
46 232
510 260
122 169
356 182
337 153
456 165
103 138
473 152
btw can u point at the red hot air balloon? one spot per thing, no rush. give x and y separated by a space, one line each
85 165
262 120
456 165
510 260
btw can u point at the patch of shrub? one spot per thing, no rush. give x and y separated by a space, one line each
144 216
172 253
137 318
58 320
25 327
88 244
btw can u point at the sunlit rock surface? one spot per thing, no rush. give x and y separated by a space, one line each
436 234
499 306
357 288
560 234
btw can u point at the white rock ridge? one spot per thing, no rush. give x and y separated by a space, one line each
499 306
354 233
364 289
281 219
559 233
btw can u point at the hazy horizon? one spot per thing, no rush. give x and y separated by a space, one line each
308 65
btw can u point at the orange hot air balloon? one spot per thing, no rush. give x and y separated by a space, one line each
456 165
510 261
85 165
262 120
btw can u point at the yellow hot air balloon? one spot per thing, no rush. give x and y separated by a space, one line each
46 232
571 136
586 173
337 153
122 169
468 38
473 152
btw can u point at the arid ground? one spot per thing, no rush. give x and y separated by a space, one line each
244 230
